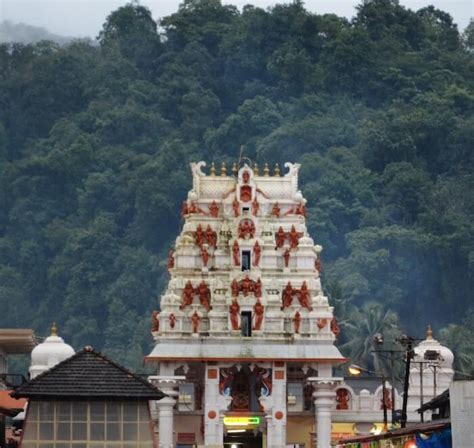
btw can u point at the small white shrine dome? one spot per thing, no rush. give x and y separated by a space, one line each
49 353
424 351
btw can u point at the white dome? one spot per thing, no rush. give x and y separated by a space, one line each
51 352
446 356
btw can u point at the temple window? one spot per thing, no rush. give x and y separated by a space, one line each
246 323
246 260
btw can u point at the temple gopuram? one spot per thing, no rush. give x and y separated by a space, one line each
244 339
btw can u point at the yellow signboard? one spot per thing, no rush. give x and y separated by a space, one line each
241 421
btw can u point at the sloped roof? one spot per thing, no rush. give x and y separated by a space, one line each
89 374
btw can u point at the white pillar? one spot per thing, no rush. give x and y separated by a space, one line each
167 384
324 398
165 422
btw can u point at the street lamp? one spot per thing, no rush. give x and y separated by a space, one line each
356 370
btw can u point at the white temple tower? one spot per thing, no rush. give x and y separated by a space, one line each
244 332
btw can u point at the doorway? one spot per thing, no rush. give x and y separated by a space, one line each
249 438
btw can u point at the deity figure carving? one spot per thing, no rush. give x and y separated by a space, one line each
301 210
245 190
155 323
170 259
287 295
214 209
188 295
204 295
172 319
184 209
297 322
275 210
234 311
255 207
193 208
258 288
258 309
294 237
335 327
235 288
263 381
199 236
195 321
236 253
342 399
304 296
286 257
246 285
257 250
204 256
211 236
387 399
236 207
280 237
321 323
246 229
318 265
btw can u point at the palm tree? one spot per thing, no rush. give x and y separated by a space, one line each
461 342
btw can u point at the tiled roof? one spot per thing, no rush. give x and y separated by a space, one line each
89 374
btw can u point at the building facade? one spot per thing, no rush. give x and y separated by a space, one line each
245 333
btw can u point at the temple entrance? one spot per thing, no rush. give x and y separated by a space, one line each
249 438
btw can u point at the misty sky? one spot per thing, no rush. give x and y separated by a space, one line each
81 18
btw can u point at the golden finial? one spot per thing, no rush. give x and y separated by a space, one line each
255 169
235 169
213 169
54 329
429 333
223 170
266 170
277 170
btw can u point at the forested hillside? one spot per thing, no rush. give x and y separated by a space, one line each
95 142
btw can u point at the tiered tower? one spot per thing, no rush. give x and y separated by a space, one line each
244 306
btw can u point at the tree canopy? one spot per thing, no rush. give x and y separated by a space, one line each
95 142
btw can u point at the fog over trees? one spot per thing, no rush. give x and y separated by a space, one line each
95 141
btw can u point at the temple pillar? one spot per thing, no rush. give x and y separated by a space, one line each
324 398
215 406
168 385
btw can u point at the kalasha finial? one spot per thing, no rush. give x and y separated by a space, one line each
213 169
429 333
277 170
235 169
223 170
54 329
255 169
266 170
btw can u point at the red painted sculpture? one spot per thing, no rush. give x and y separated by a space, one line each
297 322
155 323
321 323
204 295
275 210
258 288
204 256
170 260
199 236
211 236
318 265
236 253
342 399
214 209
258 309
294 237
234 311
286 257
257 250
300 210
195 321
280 237
255 207
245 190
236 207
246 285
246 229
172 320
235 288
184 209
304 296
188 295
287 295
335 327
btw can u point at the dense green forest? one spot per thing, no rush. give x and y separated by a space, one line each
96 140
